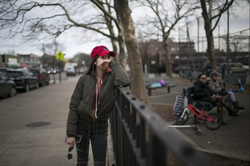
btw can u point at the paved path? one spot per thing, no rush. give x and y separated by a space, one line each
229 140
36 146
22 145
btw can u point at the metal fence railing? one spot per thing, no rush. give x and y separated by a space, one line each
142 138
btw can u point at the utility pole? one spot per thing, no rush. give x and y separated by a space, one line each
54 60
187 44
219 35
179 59
249 37
203 62
43 56
198 43
227 40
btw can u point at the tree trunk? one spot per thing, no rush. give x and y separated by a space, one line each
122 53
209 34
168 59
210 48
135 63
115 49
112 33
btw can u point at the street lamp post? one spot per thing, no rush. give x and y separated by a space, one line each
228 40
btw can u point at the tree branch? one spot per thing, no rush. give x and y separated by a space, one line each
224 9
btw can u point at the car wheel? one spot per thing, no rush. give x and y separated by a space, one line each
37 85
27 87
12 92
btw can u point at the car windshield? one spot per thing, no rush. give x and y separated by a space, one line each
34 71
14 73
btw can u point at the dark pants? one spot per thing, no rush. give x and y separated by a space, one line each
97 133
223 75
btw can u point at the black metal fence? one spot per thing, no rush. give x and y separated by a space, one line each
142 138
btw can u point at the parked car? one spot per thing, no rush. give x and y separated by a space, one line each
182 69
7 86
70 71
236 67
23 78
51 71
43 77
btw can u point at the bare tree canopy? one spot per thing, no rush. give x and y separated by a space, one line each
60 16
49 48
42 19
162 19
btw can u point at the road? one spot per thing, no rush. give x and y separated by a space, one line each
63 78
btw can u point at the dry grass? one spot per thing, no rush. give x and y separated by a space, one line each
165 111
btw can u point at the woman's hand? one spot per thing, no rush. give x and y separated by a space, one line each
104 64
71 141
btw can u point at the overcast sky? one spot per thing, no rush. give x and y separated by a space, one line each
75 44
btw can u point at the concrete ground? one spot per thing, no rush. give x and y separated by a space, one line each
230 140
33 124
33 127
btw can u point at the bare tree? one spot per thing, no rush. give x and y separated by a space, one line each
237 42
212 11
120 37
61 16
166 15
49 48
124 12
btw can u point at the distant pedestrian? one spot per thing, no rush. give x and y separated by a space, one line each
207 69
91 104
223 70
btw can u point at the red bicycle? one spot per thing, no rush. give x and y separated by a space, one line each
211 120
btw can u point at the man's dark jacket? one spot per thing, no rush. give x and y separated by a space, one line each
82 98
202 91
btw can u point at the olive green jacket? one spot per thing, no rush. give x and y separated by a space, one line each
82 98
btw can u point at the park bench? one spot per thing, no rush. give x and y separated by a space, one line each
185 73
150 81
193 76
233 79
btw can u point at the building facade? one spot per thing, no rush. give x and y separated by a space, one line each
29 60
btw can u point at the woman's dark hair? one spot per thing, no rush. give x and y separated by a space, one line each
199 76
92 65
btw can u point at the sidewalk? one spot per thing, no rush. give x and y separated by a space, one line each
230 140
43 145
33 126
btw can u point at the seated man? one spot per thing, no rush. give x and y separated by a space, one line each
202 92
216 89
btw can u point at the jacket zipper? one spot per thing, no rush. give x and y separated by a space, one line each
91 107
98 102
99 97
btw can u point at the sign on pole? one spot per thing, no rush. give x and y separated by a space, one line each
59 55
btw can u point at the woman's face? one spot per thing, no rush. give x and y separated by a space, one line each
101 59
203 78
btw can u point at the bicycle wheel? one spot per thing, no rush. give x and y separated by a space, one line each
216 121
182 120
